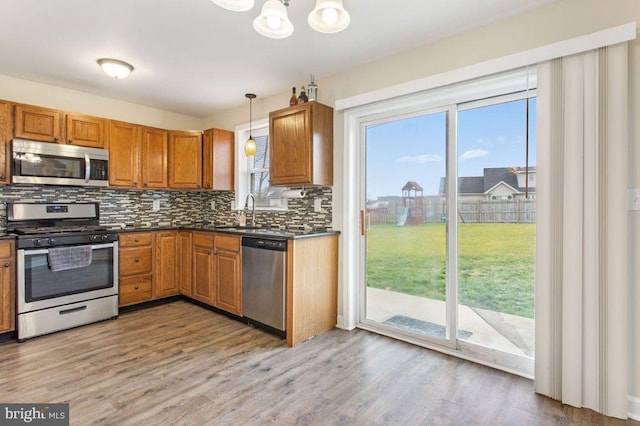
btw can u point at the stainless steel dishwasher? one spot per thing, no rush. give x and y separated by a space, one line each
263 282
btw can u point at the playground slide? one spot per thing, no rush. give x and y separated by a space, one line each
402 219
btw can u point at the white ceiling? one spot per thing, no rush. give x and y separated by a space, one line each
193 57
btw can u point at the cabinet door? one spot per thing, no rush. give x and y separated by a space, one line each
166 277
218 160
124 146
7 273
228 281
155 152
290 147
185 160
203 269
84 130
184 263
36 123
5 137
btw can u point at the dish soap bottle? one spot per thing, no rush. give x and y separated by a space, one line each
303 96
294 99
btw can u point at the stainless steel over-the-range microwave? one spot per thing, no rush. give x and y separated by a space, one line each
58 164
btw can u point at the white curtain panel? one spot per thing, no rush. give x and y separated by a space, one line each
582 286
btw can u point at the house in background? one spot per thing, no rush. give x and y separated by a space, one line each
496 184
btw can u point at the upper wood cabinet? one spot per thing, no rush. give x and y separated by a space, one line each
185 160
301 145
5 138
155 152
124 146
85 130
218 160
166 271
37 123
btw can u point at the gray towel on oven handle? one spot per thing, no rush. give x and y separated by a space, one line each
63 258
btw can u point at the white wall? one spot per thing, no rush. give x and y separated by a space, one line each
29 92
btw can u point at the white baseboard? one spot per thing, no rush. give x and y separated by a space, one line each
634 407
341 324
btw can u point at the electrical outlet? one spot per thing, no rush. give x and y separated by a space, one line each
317 205
233 205
156 205
634 199
213 205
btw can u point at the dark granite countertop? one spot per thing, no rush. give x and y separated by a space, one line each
291 234
7 236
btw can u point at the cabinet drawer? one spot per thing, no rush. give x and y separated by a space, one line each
135 239
135 260
5 249
205 240
225 242
134 290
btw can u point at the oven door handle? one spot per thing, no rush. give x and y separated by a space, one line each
87 168
30 252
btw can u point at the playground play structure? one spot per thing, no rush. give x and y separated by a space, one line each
412 205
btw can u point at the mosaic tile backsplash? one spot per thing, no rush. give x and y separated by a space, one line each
134 208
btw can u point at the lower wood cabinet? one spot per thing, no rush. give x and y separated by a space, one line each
135 263
166 272
228 273
184 262
7 286
204 266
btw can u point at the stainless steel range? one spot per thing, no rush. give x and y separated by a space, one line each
67 269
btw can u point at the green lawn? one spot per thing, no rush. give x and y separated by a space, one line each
495 263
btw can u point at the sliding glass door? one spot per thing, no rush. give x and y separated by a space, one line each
406 262
449 226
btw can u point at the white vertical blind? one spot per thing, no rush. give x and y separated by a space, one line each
582 282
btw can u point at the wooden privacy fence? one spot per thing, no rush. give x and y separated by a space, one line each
504 211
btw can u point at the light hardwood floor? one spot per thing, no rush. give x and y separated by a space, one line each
180 364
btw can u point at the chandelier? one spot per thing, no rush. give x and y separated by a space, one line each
328 16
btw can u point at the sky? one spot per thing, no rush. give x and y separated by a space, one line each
413 149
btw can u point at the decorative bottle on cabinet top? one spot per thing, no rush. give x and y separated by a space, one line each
312 90
303 96
294 99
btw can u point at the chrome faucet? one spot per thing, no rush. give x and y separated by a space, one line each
253 208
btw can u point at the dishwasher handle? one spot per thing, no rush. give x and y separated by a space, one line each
265 243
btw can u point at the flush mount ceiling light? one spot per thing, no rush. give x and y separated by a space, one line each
328 16
115 68
250 145
235 5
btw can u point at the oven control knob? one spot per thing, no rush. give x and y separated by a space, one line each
94 238
37 242
51 241
105 237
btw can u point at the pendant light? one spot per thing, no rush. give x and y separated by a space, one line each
250 145
273 21
329 16
235 5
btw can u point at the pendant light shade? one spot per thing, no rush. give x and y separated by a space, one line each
235 5
273 21
329 16
250 144
115 68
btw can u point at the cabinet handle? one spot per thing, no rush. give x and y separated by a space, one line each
55 139
208 251
136 260
137 240
70 141
6 265
2 177
135 288
144 184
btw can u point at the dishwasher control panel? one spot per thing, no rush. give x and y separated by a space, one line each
265 243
